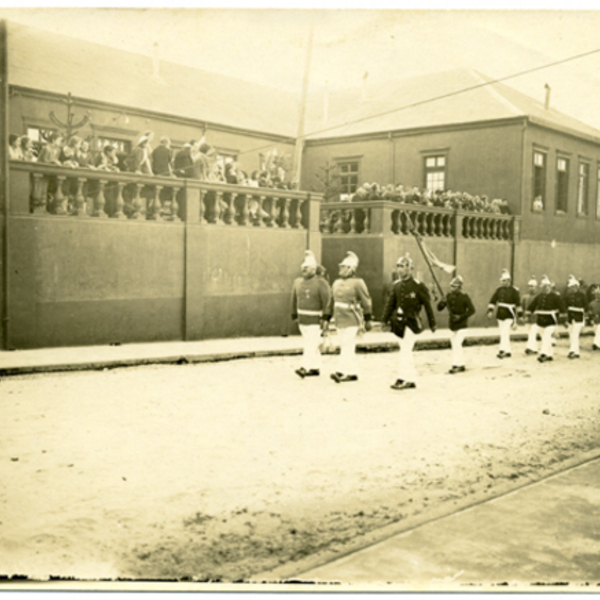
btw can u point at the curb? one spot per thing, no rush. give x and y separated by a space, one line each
184 359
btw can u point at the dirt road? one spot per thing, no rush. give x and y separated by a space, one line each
221 471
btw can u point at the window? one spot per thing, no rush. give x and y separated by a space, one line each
123 146
435 173
348 171
539 182
598 194
583 189
562 185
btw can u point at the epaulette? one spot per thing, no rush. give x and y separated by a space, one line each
416 280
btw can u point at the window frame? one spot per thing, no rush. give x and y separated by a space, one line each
543 180
558 210
585 178
436 155
346 186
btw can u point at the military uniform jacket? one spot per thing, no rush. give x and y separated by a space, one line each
507 301
460 308
594 310
311 300
351 300
576 305
546 308
525 302
404 304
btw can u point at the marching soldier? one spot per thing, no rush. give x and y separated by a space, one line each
546 306
311 298
402 310
352 310
576 305
594 313
532 345
506 301
460 308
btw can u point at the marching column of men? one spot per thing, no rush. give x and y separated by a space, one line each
348 303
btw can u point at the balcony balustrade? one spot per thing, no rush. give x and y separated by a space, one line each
385 217
44 189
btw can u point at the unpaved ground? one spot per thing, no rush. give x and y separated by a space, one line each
221 471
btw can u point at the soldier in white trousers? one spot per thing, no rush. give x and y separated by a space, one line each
506 302
532 290
546 306
576 306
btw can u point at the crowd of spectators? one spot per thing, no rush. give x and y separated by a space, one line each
196 160
438 198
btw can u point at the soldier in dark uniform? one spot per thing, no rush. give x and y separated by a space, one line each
402 310
311 298
576 306
460 308
546 306
506 301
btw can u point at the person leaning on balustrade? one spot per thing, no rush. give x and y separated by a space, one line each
68 153
83 155
162 157
27 151
107 160
14 147
50 152
139 159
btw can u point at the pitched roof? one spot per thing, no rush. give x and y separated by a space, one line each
434 99
56 63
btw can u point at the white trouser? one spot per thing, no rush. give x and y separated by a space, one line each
547 346
347 337
574 331
532 337
456 340
311 338
406 366
597 336
505 325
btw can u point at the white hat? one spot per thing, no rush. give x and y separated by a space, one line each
309 259
351 260
532 281
505 275
545 280
406 258
458 280
572 281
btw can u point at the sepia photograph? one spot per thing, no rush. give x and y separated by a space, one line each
299 299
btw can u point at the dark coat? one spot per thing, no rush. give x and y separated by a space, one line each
404 304
460 308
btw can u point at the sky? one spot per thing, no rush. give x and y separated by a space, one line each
352 47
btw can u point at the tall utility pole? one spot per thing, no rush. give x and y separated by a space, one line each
302 110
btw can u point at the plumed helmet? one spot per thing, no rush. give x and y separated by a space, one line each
572 281
532 281
405 259
545 280
458 280
505 275
351 260
309 259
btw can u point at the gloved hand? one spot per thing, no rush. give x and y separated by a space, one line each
368 326
441 305
490 314
433 328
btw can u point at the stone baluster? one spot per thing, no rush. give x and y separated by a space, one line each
229 213
60 200
217 216
202 208
285 213
155 205
174 216
337 221
100 200
297 224
137 203
367 222
245 212
119 203
80 204
352 212
274 212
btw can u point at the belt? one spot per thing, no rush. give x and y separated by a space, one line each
576 308
509 306
546 312
343 304
311 313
